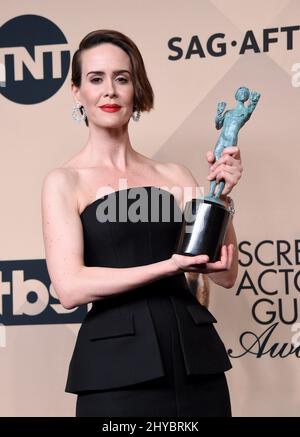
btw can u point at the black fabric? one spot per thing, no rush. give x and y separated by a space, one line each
153 349
173 395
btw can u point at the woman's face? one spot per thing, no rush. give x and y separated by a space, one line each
104 82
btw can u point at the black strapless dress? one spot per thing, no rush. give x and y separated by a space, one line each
186 376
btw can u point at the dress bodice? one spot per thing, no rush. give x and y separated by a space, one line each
142 225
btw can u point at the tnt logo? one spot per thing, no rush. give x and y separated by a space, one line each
34 59
27 296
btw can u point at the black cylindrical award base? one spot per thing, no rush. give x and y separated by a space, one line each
203 229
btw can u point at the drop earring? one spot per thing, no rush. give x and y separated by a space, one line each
78 113
136 115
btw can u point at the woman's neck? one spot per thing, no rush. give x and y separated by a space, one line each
109 148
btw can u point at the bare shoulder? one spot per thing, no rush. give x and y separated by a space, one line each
61 178
184 178
60 182
182 174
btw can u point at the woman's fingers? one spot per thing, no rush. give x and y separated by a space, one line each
230 180
219 265
225 262
200 259
201 264
222 168
234 151
228 168
226 159
187 263
231 174
230 256
210 157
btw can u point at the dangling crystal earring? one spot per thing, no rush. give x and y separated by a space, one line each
136 115
78 112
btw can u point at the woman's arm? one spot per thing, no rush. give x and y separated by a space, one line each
75 283
227 278
229 168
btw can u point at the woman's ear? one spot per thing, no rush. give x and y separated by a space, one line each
76 92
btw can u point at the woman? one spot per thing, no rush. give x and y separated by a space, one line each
147 347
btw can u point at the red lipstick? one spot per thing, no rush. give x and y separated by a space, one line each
110 107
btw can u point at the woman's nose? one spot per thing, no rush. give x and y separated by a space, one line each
110 90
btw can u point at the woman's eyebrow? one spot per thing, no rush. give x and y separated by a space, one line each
102 72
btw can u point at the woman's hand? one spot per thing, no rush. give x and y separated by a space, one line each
228 167
200 264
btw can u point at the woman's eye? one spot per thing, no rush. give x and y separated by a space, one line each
123 79
98 79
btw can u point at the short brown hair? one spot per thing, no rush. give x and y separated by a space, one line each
143 92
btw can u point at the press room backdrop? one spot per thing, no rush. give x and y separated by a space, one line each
196 54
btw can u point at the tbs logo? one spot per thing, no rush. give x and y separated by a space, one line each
34 59
27 296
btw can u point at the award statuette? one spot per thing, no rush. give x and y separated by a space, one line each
206 218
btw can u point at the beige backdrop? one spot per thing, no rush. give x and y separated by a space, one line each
36 138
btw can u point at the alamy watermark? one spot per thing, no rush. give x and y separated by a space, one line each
147 203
